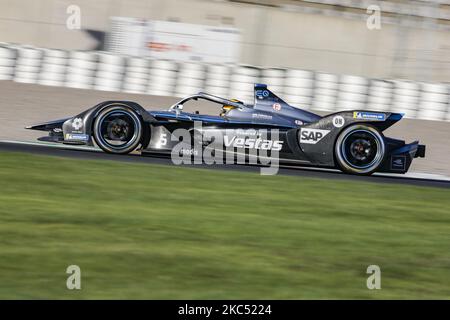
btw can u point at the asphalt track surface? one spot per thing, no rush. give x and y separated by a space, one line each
83 153
26 104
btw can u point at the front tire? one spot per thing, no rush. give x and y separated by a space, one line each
360 149
118 129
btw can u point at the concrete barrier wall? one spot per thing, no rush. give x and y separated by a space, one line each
271 36
302 88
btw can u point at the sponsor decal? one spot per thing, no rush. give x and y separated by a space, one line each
276 106
76 137
261 116
251 143
312 136
248 132
338 121
369 116
189 152
261 94
77 123
219 146
398 163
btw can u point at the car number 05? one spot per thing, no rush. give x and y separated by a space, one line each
163 139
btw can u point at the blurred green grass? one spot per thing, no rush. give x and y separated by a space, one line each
163 232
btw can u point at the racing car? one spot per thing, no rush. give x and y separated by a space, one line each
351 141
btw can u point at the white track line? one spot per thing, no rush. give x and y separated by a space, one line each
417 175
408 175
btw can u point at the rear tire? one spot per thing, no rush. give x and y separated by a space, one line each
360 149
118 129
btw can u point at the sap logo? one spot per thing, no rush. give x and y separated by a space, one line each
261 94
312 136
251 143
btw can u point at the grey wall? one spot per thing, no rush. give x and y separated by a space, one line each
270 36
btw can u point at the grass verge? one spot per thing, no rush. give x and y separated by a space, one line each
162 232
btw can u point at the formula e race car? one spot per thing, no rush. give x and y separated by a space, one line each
351 141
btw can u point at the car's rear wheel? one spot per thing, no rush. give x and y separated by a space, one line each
360 149
118 129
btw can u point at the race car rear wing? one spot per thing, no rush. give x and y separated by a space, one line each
420 153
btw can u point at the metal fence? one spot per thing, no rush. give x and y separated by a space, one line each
303 88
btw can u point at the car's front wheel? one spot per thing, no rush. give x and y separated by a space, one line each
118 129
360 149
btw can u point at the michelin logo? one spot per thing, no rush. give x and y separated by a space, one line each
369 116
312 136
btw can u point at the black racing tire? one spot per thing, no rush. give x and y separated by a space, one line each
118 129
360 149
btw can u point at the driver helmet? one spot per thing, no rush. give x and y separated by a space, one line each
226 107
